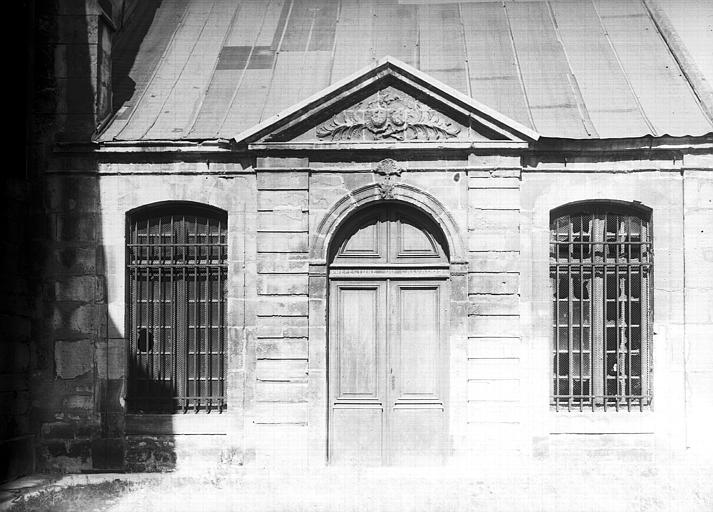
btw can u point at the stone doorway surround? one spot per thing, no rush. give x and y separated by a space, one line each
320 238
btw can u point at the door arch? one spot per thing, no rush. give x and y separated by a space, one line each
389 296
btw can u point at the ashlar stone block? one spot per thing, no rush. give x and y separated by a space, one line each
73 358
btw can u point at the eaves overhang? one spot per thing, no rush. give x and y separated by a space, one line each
544 144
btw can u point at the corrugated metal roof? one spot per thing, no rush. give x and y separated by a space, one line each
211 69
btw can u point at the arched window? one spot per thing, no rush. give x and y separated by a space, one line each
176 270
601 263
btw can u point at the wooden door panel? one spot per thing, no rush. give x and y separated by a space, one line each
386 363
416 345
416 405
417 435
412 241
357 369
393 235
357 342
365 242
357 437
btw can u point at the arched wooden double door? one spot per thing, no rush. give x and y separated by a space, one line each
388 339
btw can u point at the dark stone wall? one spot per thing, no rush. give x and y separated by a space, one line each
17 315
68 47
18 272
151 453
52 301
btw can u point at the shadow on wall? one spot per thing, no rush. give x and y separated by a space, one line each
20 195
18 314
151 447
75 373
176 278
158 393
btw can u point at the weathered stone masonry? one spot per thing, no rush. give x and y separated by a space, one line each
54 286
276 310
291 182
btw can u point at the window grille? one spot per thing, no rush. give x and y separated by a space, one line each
601 262
176 267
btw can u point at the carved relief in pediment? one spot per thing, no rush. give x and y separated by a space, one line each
388 115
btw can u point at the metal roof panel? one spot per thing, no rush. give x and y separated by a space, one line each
297 75
397 39
663 92
243 37
441 45
609 99
545 71
168 71
187 94
570 69
352 30
259 27
150 51
494 74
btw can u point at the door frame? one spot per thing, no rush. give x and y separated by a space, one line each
321 234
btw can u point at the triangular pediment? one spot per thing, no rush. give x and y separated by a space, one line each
390 103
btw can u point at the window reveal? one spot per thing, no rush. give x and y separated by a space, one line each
176 267
600 266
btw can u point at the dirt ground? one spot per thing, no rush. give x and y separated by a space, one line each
684 485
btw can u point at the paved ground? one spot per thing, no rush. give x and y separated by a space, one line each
678 486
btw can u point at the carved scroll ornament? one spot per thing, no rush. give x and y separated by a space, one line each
388 115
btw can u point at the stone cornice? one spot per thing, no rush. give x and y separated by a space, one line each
570 154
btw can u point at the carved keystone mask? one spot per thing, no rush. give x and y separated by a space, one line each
388 170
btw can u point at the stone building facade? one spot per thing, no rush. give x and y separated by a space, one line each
386 271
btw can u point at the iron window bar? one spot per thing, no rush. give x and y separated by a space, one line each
177 270
601 265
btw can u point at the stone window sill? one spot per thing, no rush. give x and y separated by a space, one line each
167 424
600 422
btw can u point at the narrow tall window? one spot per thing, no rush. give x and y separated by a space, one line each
601 262
176 268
